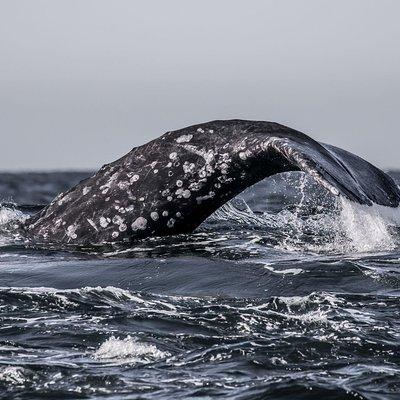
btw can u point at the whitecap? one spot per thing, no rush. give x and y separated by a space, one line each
128 350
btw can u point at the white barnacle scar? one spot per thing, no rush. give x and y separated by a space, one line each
139 224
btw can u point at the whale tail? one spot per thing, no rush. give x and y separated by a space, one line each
340 171
172 184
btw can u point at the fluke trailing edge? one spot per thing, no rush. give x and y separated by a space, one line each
172 184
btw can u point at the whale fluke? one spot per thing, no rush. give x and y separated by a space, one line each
339 171
172 184
376 186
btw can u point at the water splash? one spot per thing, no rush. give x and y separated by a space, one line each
369 228
10 217
317 224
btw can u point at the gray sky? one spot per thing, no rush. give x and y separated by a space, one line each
82 82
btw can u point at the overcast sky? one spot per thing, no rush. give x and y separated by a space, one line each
82 82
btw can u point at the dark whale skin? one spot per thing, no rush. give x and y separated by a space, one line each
173 183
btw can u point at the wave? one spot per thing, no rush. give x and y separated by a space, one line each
88 300
103 340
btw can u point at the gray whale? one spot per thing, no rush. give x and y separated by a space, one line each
173 183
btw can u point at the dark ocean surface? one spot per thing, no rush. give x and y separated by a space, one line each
284 293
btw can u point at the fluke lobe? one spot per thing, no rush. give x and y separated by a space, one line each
172 184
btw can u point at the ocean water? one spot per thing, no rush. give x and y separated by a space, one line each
284 293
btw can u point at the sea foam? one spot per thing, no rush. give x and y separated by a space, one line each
128 350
